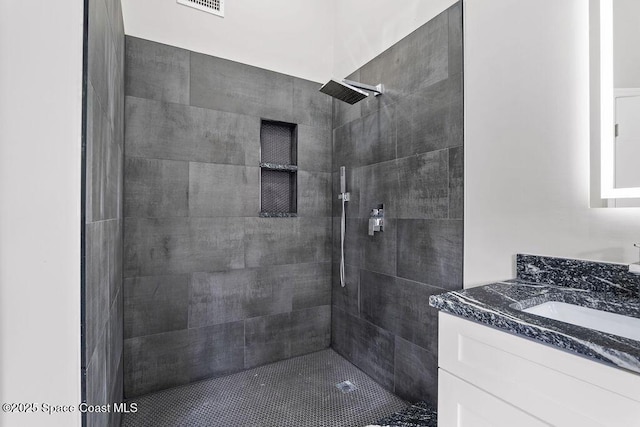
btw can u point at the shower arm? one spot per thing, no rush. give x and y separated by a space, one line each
377 90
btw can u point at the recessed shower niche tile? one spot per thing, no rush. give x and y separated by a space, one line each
179 132
156 71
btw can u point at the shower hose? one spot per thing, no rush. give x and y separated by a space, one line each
342 231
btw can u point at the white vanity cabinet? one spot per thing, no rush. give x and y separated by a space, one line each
491 378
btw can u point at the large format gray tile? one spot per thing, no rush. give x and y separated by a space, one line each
306 284
271 241
113 246
415 62
380 250
346 139
455 39
456 183
431 119
314 148
99 49
215 350
224 85
354 241
102 162
235 295
223 190
310 106
155 304
96 286
156 71
156 188
378 142
310 330
365 345
424 186
179 132
314 194
400 306
96 382
416 373
155 362
267 339
115 343
116 395
166 246
431 252
346 297
379 185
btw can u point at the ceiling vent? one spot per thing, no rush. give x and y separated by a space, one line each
215 7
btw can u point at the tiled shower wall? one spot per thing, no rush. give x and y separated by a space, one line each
402 149
102 316
210 288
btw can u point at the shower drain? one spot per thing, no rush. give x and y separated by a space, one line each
346 386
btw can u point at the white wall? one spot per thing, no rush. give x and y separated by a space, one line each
527 140
291 37
626 34
40 151
311 39
366 28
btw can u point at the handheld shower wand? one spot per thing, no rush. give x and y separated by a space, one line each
344 196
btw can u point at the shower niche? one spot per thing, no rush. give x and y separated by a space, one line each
278 164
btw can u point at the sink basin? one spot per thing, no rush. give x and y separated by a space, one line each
604 321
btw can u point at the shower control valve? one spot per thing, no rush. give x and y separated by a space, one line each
344 196
376 220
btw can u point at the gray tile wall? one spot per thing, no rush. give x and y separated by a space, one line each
210 288
403 149
102 321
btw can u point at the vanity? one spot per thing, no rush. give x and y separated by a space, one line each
505 360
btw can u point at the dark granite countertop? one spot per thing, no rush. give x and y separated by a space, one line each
499 305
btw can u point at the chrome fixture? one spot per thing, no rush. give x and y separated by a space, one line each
344 196
349 91
376 220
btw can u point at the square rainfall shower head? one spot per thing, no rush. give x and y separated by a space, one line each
343 92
